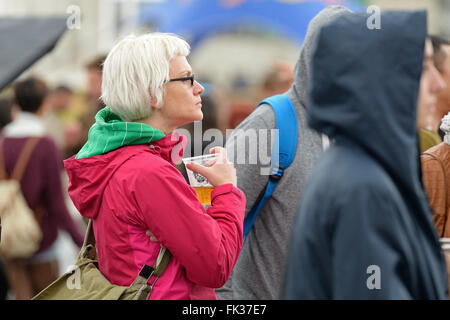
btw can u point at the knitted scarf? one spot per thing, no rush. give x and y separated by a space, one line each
109 132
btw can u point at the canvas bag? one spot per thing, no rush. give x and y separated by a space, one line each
86 282
21 234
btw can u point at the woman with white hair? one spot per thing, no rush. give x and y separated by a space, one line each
124 178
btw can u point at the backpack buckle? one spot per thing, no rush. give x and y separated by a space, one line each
277 173
146 271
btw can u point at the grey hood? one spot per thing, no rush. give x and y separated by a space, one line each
302 72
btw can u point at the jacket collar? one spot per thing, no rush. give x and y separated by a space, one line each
170 148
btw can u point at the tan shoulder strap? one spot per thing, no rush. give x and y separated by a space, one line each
3 174
162 261
89 237
445 184
24 157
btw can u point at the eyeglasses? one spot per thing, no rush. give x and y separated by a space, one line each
191 78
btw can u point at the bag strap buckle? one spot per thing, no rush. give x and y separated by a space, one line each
277 173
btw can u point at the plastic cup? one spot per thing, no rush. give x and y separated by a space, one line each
200 184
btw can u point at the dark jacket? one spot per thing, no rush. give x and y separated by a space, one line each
364 228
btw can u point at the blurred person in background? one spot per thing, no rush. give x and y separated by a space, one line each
65 133
278 80
6 115
436 160
441 59
436 179
435 165
94 92
41 187
57 102
84 108
259 271
364 228
60 98
124 178
430 116
428 136
240 101
7 112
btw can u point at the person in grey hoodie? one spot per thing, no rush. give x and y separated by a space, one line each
258 272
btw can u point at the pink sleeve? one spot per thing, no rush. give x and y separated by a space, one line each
206 243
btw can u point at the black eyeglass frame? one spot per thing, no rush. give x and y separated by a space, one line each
191 77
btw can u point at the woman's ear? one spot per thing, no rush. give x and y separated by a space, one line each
154 103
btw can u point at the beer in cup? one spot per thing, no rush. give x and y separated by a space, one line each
200 184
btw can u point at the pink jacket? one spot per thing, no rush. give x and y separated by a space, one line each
137 188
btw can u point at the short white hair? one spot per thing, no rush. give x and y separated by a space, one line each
135 71
445 123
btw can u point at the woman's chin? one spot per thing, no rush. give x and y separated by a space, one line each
194 118
198 116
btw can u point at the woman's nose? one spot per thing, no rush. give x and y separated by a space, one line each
198 88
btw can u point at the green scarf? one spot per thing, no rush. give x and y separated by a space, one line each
109 132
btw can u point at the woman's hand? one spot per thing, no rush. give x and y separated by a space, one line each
218 171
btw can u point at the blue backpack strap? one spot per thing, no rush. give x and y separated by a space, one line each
283 151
